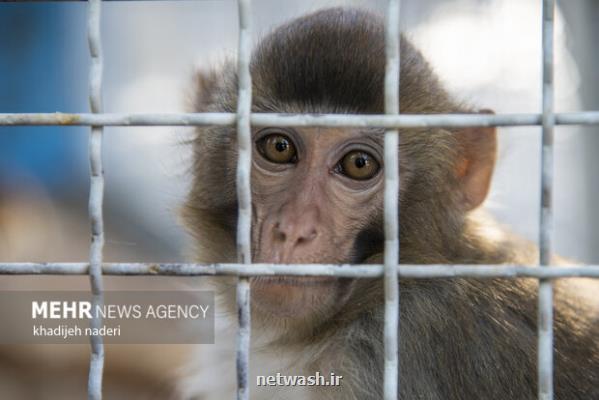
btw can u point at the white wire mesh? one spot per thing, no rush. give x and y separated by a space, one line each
243 119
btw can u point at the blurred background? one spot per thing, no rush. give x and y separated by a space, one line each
486 51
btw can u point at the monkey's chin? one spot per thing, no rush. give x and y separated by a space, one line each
298 298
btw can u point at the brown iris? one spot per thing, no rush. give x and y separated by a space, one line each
359 165
277 148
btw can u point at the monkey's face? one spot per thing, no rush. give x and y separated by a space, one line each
317 196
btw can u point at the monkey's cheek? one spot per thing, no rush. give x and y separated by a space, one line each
295 297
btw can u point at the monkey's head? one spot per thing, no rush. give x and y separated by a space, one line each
317 193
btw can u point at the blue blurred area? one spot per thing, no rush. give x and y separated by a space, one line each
43 68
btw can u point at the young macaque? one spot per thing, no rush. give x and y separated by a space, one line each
317 197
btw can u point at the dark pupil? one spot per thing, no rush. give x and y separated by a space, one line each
360 162
281 146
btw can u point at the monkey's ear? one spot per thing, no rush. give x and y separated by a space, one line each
474 168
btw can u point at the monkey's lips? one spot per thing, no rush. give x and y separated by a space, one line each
297 296
286 280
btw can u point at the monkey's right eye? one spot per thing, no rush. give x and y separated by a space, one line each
277 148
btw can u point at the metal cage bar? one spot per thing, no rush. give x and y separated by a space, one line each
272 119
478 271
545 300
96 197
391 205
244 196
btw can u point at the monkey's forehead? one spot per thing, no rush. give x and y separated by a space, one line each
334 61
333 58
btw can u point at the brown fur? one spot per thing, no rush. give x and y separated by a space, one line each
460 339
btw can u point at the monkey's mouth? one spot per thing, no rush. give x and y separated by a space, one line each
298 297
286 280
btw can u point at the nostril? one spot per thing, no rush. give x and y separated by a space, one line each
280 236
293 234
278 232
308 237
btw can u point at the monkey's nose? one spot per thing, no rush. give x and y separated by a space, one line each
295 233
296 226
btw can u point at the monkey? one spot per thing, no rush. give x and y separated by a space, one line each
317 197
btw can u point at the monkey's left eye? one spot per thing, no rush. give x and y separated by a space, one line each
277 148
358 165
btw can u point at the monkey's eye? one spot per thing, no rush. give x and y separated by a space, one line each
277 148
358 165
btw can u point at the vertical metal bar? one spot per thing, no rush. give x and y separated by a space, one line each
244 195
96 196
391 379
545 313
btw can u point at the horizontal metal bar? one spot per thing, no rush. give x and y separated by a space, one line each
342 271
86 119
77 1
273 119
